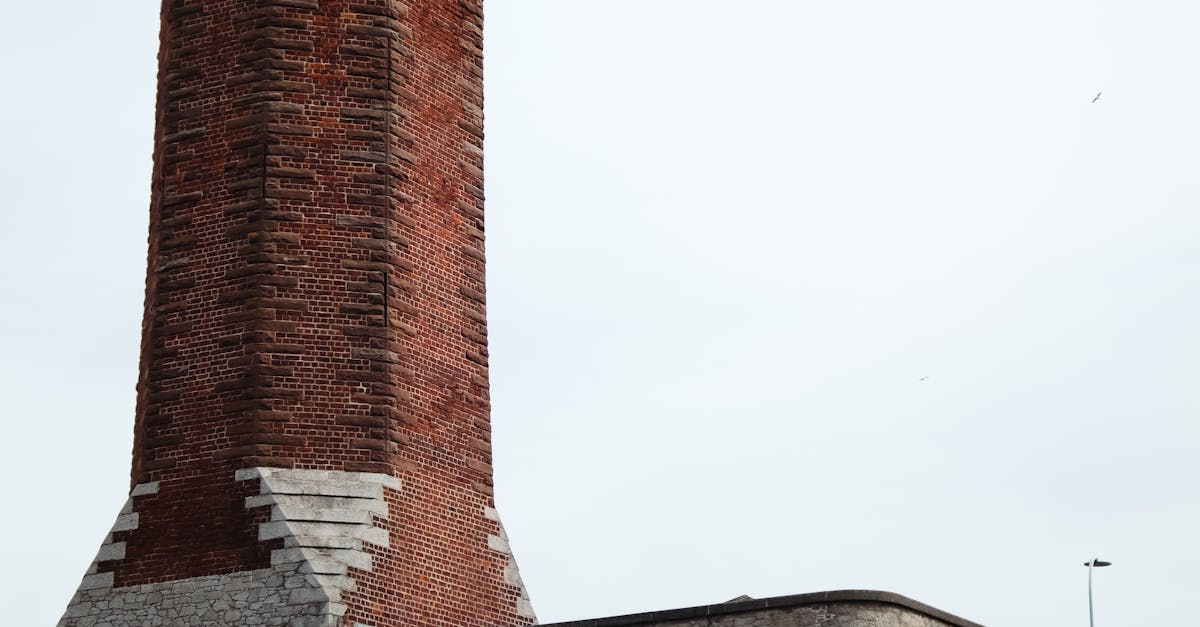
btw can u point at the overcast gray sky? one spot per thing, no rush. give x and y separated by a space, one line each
727 242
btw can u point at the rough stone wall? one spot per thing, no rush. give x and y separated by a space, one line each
279 595
315 294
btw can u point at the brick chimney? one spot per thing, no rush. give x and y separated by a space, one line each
312 439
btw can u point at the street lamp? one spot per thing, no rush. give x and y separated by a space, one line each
1095 563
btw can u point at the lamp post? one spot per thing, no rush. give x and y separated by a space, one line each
1095 563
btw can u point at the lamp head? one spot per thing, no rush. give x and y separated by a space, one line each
1098 563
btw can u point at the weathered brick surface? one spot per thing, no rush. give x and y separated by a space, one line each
315 293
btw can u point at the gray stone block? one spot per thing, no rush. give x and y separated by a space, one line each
97 581
110 552
126 522
145 489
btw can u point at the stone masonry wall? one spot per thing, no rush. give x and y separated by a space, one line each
279 595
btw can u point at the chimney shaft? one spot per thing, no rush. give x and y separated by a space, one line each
312 436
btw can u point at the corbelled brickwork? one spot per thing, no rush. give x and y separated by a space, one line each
315 301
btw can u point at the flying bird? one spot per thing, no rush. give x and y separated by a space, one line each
1097 96
923 378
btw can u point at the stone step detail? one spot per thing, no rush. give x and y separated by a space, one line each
324 518
512 574
111 550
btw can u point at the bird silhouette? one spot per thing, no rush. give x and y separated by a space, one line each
1097 96
923 378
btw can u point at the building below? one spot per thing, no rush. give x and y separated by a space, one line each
841 608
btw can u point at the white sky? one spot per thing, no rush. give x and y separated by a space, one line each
726 241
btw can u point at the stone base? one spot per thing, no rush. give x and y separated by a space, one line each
279 595
324 519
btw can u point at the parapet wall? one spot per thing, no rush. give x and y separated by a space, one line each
842 608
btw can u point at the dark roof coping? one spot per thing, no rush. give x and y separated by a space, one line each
811 598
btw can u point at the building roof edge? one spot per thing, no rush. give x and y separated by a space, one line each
737 607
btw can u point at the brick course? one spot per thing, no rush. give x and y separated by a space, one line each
315 294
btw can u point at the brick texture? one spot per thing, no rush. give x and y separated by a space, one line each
315 293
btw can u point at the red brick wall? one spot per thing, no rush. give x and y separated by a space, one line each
315 290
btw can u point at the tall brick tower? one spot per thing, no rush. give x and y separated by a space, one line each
312 434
